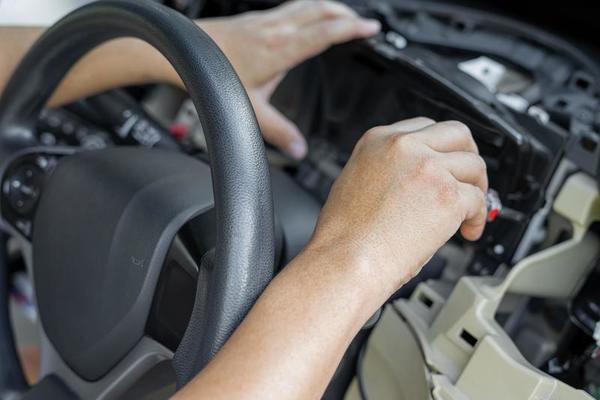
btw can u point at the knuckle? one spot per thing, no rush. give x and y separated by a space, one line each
456 127
403 147
322 7
335 29
369 135
402 142
481 165
459 129
332 8
305 3
482 172
475 162
482 201
368 138
480 204
352 26
424 120
463 133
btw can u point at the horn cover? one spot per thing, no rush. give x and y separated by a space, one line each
102 230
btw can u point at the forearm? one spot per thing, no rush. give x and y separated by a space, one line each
14 43
294 337
120 62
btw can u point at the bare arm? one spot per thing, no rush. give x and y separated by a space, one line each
262 46
291 343
401 196
118 63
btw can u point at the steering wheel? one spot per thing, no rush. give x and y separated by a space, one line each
97 225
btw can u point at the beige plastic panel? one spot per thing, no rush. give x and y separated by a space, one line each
492 374
353 393
493 368
386 358
556 272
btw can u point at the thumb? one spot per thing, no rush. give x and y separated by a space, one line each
278 130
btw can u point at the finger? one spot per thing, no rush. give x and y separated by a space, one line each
448 136
317 37
280 131
473 201
408 125
266 91
302 12
466 167
401 127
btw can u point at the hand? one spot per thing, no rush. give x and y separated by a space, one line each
263 46
407 188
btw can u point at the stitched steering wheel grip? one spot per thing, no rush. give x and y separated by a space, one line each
244 253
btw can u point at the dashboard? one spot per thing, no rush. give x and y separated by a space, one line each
525 115
530 99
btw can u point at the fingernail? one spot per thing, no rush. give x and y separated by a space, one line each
297 149
371 26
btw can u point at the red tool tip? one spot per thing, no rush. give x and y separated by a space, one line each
179 130
493 214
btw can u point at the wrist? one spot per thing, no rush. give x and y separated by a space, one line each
351 270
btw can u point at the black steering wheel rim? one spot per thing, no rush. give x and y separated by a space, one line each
244 252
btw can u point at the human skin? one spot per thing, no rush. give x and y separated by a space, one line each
262 47
405 191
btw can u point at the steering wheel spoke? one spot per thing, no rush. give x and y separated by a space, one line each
129 375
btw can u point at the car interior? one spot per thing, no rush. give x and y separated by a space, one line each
127 306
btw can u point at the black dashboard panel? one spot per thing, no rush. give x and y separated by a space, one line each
336 114
423 64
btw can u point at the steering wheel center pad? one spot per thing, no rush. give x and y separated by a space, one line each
102 230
